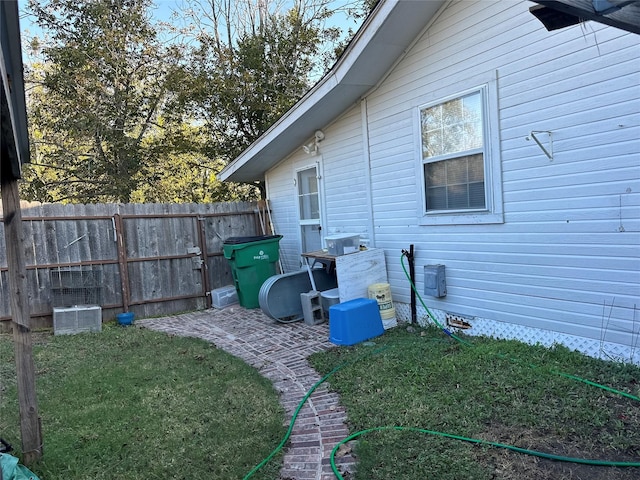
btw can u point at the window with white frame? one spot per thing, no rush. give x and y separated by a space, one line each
456 160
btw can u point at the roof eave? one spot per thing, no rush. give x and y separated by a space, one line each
385 35
13 123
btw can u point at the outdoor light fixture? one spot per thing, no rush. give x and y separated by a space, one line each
311 148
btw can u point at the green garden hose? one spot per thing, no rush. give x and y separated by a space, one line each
299 407
431 315
600 463
293 421
597 463
469 344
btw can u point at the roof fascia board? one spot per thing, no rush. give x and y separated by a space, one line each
14 116
363 36
317 92
320 90
333 80
433 19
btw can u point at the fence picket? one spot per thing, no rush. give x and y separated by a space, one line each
164 274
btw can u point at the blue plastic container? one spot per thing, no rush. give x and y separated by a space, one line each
125 318
354 321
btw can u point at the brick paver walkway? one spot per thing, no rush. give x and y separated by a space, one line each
279 352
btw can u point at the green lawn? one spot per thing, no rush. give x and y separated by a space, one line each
499 391
130 403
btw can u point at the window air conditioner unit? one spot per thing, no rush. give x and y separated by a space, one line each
82 318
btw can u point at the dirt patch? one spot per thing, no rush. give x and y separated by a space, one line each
510 465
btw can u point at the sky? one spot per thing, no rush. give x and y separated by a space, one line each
164 11
165 8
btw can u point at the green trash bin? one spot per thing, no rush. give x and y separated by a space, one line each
252 260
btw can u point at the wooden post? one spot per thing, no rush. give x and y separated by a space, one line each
30 427
122 261
205 261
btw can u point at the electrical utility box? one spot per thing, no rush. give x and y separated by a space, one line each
435 284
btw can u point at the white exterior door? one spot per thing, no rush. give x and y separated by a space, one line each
309 209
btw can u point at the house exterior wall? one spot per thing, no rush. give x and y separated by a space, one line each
284 214
562 263
344 179
343 187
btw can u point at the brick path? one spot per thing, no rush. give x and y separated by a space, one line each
279 352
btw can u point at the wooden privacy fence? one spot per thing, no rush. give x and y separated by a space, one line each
150 259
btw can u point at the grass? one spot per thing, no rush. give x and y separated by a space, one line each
132 403
500 391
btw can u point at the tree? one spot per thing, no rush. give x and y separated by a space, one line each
187 175
252 61
104 82
116 115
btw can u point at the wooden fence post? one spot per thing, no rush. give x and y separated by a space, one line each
30 427
122 261
202 234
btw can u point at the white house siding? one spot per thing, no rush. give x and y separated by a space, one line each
282 200
566 258
565 264
343 198
344 177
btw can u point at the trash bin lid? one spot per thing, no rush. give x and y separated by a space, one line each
257 238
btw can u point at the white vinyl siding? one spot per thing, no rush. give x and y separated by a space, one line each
344 204
561 252
344 177
566 258
284 209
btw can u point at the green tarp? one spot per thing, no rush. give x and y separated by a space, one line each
11 470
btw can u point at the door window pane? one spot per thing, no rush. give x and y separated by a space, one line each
308 195
309 208
311 238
